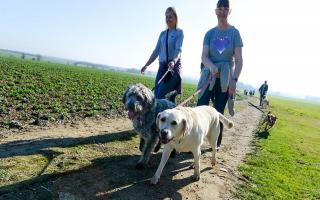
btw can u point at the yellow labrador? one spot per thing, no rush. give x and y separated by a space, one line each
184 129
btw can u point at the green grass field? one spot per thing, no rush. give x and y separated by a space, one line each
286 163
32 90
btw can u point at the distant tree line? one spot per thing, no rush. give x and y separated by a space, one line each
34 56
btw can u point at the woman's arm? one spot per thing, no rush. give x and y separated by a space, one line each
177 51
151 59
153 56
178 47
238 67
206 61
238 62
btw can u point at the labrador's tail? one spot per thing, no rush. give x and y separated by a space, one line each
225 121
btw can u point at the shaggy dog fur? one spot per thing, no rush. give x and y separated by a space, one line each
143 109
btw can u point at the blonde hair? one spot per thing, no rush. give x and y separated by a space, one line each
174 12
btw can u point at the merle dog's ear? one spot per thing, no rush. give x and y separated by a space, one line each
157 123
124 97
185 127
149 96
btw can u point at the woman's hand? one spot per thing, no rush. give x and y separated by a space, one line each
214 70
232 86
143 69
171 65
216 75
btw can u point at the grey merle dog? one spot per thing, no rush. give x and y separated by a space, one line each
143 109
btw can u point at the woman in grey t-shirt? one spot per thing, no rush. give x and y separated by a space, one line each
221 62
168 49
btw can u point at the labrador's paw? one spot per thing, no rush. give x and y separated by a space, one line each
154 180
196 177
213 162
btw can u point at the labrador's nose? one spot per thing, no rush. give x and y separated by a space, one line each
164 133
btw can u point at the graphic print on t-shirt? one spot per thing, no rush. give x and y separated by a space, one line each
221 44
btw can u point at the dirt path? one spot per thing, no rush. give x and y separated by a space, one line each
116 177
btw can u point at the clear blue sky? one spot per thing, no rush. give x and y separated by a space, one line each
281 37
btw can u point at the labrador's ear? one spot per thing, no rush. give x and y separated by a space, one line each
157 122
185 127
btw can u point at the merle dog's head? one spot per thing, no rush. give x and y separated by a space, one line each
138 99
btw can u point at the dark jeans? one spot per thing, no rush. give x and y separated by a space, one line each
262 96
163 88
219 100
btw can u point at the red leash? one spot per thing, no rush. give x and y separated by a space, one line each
194 94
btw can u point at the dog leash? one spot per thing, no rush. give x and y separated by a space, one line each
167 56
163 76
251 104
194 94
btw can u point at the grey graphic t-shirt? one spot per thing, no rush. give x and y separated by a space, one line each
222 43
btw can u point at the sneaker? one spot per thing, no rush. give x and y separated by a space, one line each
231 101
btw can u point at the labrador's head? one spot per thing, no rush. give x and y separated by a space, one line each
171 123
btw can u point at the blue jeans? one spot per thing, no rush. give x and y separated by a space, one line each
163 88
219 100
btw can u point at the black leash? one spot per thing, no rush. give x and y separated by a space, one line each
251 104
167 52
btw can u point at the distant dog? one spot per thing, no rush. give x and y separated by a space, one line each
184 129
143 109
269 121
265 103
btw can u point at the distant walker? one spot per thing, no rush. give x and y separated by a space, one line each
263 92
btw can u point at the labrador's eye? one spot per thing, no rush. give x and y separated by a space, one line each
173 123
163 119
